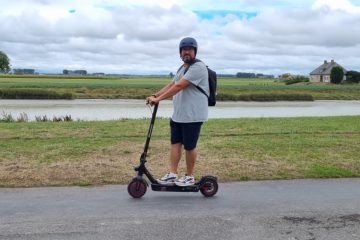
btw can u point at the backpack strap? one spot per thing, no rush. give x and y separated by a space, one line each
179 69
202 90
186 69
199 88
195 60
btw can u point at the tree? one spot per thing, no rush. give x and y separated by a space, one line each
353 76
80 72
4 63
336 75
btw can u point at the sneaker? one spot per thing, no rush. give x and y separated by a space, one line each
185 181
168 179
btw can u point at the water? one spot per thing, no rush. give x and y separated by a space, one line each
99 109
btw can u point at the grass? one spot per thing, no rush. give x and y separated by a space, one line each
91 153
139 87
318 170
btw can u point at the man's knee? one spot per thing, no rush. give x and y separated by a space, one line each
190 147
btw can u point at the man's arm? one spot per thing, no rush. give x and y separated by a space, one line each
169 92
164 89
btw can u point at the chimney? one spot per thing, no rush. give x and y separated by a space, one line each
325 62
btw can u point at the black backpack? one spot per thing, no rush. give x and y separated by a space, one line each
212 84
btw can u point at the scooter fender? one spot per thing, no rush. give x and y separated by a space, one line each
139 178
204 179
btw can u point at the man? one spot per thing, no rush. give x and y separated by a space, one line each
190 111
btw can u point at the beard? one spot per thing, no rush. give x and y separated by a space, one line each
187 59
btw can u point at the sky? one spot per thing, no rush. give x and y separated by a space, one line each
142 36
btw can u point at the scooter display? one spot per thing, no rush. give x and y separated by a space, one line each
137 187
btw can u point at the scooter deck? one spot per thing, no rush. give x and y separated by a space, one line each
174 188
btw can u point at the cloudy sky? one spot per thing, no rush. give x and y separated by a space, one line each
142 36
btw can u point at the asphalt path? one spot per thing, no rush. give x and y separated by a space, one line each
292 210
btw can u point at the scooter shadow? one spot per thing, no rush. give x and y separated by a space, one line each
174 198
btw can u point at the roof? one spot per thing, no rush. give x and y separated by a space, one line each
325 69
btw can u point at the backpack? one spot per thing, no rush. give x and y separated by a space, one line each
212 84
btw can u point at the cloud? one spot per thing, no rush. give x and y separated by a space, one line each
154 23
294 39
142 36
343 5
297 28
146 23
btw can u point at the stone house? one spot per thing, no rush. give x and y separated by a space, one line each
322 73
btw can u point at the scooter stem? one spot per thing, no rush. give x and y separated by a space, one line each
152 123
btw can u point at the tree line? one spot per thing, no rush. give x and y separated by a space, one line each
252 75
336 76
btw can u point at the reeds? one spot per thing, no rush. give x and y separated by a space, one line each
23 117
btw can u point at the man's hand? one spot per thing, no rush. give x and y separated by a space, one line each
152 100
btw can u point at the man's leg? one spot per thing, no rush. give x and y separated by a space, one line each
190 161
175 156
191 134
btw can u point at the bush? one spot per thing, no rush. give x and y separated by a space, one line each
297 79
286 77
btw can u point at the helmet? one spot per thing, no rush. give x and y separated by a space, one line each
188 42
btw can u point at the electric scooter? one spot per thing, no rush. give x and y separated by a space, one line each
137 187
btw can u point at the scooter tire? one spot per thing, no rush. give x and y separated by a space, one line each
209 188
137 188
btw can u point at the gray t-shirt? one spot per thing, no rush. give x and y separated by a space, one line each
191 105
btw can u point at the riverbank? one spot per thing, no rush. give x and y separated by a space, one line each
229 89
91 153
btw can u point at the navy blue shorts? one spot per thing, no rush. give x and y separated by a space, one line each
185 133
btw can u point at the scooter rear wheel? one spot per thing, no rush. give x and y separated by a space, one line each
209 188
137 188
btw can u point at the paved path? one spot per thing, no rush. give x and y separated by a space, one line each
291 210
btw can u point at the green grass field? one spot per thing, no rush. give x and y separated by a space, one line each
90 153
139 87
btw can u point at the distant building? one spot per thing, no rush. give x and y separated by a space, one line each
99 74
322 73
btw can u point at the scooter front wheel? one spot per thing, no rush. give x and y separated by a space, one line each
209 188
137 188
